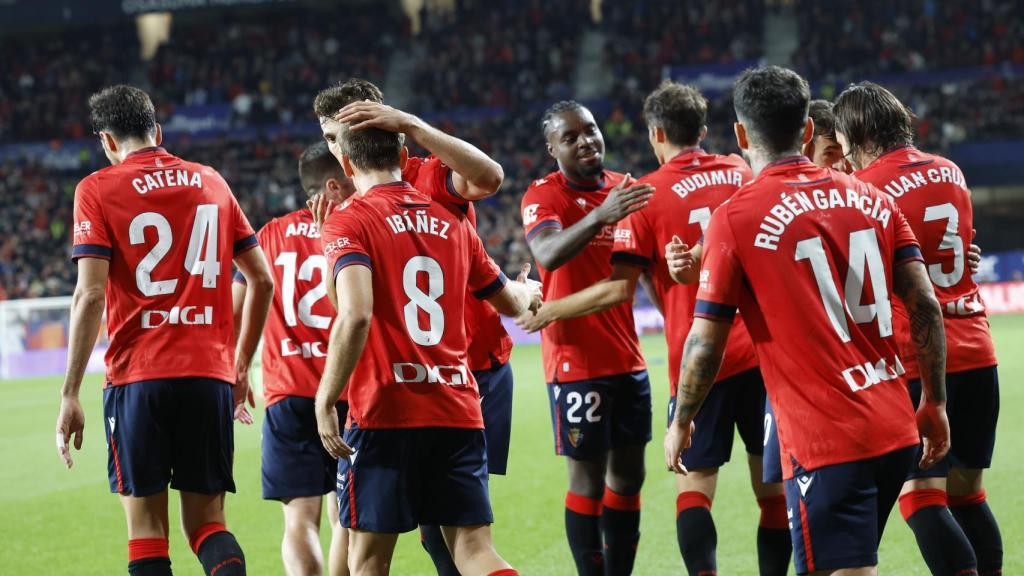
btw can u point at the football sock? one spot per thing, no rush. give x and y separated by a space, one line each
620 526
433 542
583 530
504 572
696 532
943 544
774 544
218 551
975 517
148 557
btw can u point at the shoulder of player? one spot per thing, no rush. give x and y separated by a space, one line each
546 190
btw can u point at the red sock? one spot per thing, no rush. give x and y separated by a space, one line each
915 500
692 500
504 572
142 548
195 540
967 499
774 514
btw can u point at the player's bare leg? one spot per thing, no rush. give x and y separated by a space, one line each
945 548
473 550
337 556
968 504
583 513
863 571
695 528
148 529
620 512
202 521
300 546
369 553
774 544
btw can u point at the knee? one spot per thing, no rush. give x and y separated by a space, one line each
626 481
586 481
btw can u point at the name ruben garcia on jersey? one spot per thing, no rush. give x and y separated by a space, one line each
791 205
919 178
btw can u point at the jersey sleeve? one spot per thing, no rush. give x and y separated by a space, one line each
539 212
485 278
343 242
263 237
721 275
434 177
905 246
634 241
91 235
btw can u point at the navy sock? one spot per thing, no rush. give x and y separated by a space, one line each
620 526
433 542
975 517
583 530
943 544
218 551
150 567
696 533
774 544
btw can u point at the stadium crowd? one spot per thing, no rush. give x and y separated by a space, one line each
487 55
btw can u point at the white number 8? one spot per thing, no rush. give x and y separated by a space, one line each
418 300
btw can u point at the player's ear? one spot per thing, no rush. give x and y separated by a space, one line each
741 136
346 165
159 137
702 134
108 141
808 130
659 134
403 158
808 149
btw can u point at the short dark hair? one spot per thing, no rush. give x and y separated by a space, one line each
555 109
370 148
316 166
869 115
124 111
771 102
824 120
678 109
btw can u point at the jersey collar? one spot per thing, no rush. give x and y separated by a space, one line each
786 163
583 187
146 150
893 150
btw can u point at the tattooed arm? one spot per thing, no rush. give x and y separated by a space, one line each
702 356
912 285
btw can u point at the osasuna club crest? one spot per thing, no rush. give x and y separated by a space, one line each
575 437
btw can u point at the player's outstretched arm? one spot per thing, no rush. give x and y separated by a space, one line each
914 288
474 174
86 315
354 287
259 293
519 297
553 248
683 262
612 291
702 357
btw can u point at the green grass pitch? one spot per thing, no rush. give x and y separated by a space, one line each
55 521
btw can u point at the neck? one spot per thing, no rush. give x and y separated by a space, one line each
670 150
581 179
759 159
127 147
365 180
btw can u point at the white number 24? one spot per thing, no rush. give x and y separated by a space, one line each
203 239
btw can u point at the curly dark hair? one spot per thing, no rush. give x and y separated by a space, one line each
124 111
555 109
824 119
316 166
771 102
678 109
872 118
367 149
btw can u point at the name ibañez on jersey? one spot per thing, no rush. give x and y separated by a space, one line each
791 205
419 222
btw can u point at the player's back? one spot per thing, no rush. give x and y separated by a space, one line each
933 195
414 370
688 189
298 326
817 250
170 229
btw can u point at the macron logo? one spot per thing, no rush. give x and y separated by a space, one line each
558 392
110 420
804 482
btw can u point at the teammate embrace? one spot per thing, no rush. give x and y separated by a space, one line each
799 301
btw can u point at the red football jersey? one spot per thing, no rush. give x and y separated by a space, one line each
591 346
807 255
489 342
170 230
298 326
688 189
413 372
933 195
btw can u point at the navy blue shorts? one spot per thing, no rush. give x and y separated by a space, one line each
177 431
737 401
771 459
294 462
400 478
837 513
972 405
496 403
590 417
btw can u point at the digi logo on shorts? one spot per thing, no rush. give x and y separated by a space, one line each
412 373
178 316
